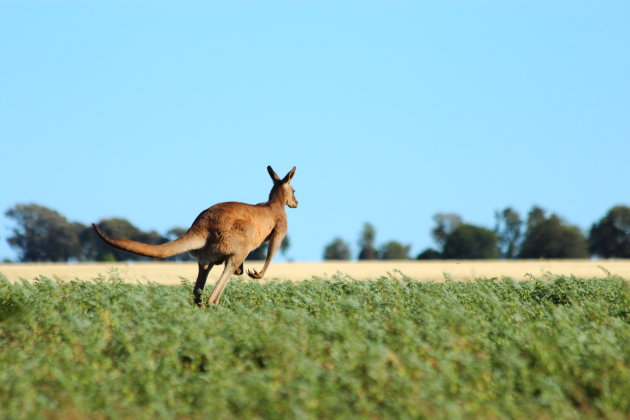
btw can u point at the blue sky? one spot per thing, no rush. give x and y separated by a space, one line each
392 111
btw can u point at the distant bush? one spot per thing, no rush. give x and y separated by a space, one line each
338 249
610 237
367 247
394 250
551 237
429 254
471 242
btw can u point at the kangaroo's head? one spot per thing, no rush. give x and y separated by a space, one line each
281 190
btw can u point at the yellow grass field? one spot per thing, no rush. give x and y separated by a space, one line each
172 273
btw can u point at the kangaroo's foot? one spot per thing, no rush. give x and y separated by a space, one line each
197 298
255 274
239 271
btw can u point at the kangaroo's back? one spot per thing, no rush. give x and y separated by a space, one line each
232 228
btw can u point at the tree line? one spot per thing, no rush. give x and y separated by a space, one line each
41 234
540 235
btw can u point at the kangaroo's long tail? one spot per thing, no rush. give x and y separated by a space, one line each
187 242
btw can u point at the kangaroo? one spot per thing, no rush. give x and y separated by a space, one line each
226 233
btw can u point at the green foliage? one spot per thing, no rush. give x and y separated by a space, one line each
445 224
394 250
387 348
338 249
42 234
368 252
508 231
173 234
610 237
259 253
96 249
285 245
429 254
367 245
471 242
550 237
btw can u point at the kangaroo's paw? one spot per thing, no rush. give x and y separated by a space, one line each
254 274
239 271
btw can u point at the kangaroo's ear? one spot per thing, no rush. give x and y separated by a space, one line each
273 174
289 176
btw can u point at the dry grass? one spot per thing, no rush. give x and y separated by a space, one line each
172 273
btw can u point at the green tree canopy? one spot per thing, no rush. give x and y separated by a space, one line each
285 245
551 237
394 250
429 254
610 237
445 224
338 249
173 234
366 243
96 249
42 234
508 231
260 253
471 242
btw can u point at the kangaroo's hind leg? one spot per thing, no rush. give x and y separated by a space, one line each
230 265
240 270
202 276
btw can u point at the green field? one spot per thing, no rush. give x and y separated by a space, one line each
557 347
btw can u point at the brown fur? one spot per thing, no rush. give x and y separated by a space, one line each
226 233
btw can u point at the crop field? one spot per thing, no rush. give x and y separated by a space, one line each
391 347
173 273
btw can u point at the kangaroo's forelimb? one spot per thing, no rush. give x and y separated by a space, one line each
275 240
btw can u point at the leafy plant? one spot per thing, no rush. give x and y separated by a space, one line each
322 348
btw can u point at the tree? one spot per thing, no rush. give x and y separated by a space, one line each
366 242
445 224
260 253
285 245
610 237
338 249
173 234
429 254
176 232
551 237
471 242
154 238
508 230
151 238
96 249
535 218
394 250
42 234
